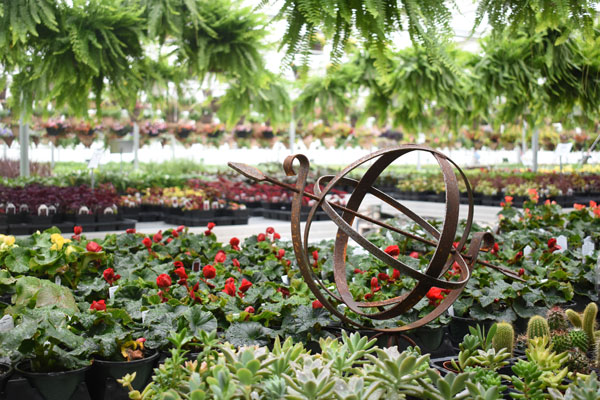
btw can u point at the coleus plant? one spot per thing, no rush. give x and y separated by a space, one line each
65 199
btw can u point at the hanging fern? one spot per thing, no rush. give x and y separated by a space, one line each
229 43
529 75
21 18
265 95
538 15
166 18
97 41
375 21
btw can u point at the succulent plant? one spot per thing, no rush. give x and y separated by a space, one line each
504 337
561 341
574 317
579 339
537 326
557 319
597 352
589 320
578 362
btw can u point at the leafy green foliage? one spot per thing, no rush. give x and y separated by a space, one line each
93 42
23 18
46 336
227 43
537 15
373 20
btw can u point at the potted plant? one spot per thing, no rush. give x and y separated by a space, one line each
85 133
153 128
7 134
55 127
6 371
184 129
242 131
51 352
118 353
121 130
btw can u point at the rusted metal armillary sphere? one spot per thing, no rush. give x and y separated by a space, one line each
444 256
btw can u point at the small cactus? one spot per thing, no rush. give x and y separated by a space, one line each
504 337
574 318
579 339
578 362
589 320
597 353
537 326
561 341
557 319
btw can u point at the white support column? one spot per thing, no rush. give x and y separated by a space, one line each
136 144
24 147
535 140
292 133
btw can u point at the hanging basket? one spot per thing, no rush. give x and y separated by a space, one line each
307 140
86 139
51 131
328 142
183 133
8 140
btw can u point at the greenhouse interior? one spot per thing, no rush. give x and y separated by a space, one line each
299 199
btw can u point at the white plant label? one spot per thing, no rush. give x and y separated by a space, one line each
144 313
527 251
588 247
451 311
57 280
95 159
111 291
562 242
285 279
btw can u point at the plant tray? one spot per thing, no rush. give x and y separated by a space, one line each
18 388
150 216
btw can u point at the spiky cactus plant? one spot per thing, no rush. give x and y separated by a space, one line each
589 320
561 341
557 319
579 339
504 337
537 326
574 317
578 362
597 353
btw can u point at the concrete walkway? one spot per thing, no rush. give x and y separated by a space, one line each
320 230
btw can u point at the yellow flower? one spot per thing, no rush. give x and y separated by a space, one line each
8 240
70 249
58 241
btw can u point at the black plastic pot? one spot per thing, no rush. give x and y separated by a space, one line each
428 339
41 220
108 217
16 218
458 328
444 365
101 379
5 373
53 385
79 219
242 134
